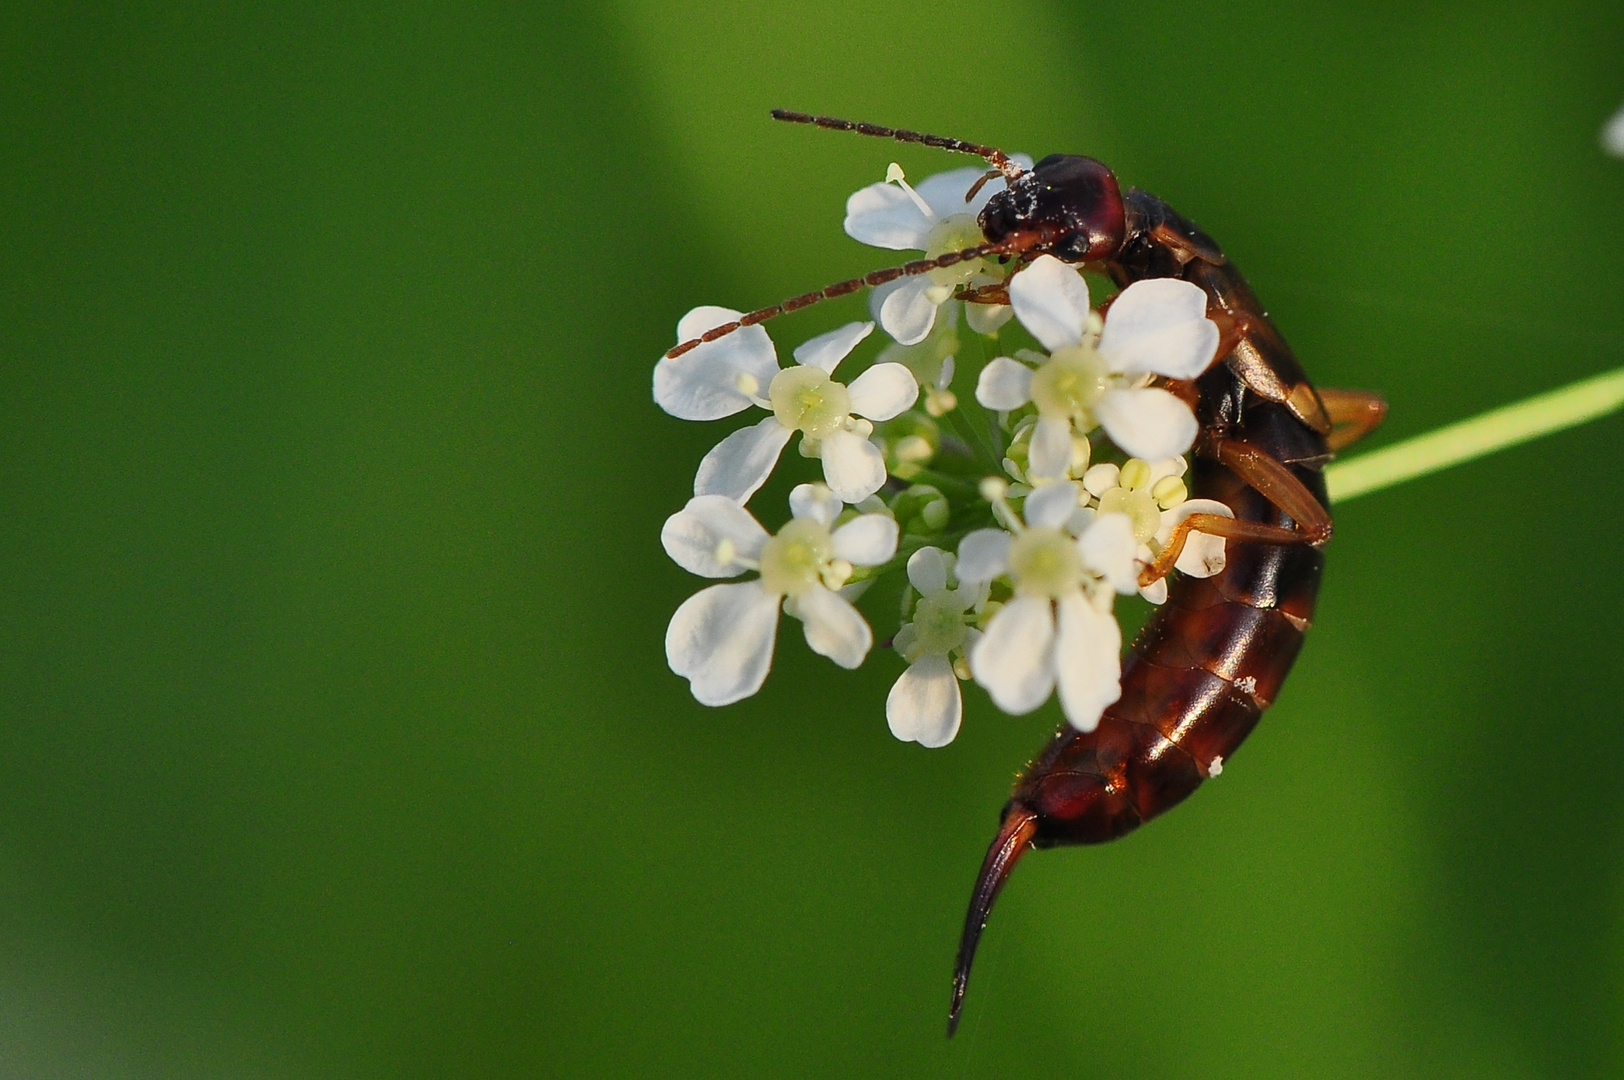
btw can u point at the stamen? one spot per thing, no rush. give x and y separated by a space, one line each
1169 492
836 573
894 175
750 386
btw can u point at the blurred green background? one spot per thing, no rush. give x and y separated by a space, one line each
336 737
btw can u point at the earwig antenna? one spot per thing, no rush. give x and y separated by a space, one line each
991 153
1015 243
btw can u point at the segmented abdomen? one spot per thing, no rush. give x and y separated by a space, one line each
1213 657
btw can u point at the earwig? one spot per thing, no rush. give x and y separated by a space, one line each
1213 657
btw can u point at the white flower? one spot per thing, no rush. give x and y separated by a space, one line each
1155 499
725 376
935 219
925 705
721 638
1612 135
1097 373
1058 629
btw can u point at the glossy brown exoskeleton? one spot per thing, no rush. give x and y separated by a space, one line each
1213 657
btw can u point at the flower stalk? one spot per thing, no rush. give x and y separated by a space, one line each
1497 429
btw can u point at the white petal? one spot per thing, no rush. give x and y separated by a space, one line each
853 467
1089 658
945 379
987 318
721 641
854 591
1155 592
983 555
1160 470
925 705
1051 504
905 309
1049 456
693 535
1014 660
1101 478
741 463
1004 384
1160 325
1051 300
1149 423
883 215
927 570
883 391
866 540
1203 554
833 627
828 350
702 384
1108 547
815 501
1612 134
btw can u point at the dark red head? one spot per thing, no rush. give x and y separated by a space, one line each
1074 196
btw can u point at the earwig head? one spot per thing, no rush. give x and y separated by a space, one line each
1075 197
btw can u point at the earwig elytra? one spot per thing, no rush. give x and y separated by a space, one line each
1213 657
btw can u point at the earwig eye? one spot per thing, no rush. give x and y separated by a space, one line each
1074 248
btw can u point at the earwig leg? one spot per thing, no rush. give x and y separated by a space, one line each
1354 414
995 293
1274 482
1215 525
1182 247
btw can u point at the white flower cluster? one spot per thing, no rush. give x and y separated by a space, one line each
1009 582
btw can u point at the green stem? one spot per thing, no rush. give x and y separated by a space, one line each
975 439
946 483
988 419
1468 439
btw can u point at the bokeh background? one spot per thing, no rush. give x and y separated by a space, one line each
336 738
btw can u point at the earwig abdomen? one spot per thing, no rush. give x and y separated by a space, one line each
1213 657
1196 680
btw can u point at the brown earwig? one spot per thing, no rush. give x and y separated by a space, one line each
1215 654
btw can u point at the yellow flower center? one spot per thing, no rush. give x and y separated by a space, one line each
938 624
954 233
806 399
792 562
1140 507
1070 384
1044 562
